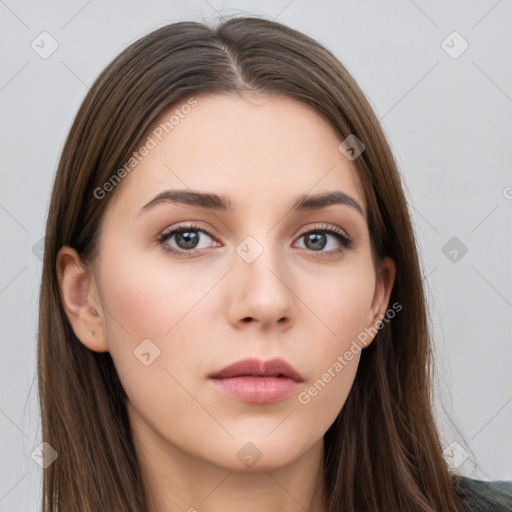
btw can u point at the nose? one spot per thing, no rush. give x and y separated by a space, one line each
261 292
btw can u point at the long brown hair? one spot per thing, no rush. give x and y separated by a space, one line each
383 451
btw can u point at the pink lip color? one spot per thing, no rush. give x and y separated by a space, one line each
257 390
259 382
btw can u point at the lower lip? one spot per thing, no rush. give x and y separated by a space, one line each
257 390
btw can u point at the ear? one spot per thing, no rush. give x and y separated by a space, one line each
384 284
80 299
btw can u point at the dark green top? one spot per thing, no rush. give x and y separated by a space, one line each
482 496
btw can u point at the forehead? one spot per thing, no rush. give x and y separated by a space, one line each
257 149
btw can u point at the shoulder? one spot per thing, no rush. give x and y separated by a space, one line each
483 496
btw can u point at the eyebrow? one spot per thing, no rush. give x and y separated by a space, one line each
209 201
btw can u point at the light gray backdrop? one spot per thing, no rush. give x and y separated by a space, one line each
439 76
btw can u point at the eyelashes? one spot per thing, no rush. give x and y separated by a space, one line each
189 233
180 230
343 239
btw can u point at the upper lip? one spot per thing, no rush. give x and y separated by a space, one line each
256 367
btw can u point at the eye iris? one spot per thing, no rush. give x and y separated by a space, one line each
189 239
318 241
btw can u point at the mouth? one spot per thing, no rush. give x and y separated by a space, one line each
253 367
256 381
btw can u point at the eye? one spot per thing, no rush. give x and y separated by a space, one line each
189 238
185 239
329 238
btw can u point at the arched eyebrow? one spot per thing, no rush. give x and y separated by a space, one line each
205 200
324 199
210 201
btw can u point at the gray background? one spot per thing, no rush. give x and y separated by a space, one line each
449 123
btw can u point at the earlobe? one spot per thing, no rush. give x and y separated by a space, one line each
79 296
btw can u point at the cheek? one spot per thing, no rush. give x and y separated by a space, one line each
157 312
341 302
342 306
323 398
153 327
148 300
335 355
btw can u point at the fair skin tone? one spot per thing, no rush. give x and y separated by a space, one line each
303 299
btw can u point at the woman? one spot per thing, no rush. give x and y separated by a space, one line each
231 312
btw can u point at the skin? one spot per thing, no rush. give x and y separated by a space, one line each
210 309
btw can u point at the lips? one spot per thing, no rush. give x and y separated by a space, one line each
257 382
253 367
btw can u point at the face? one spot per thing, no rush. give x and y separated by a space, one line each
186 285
